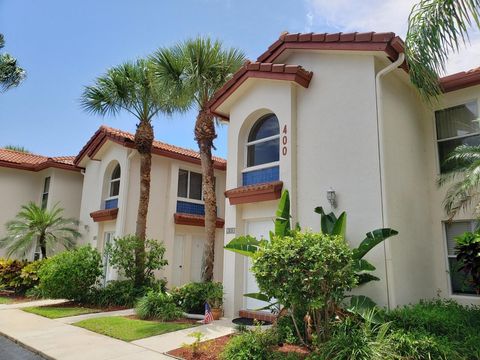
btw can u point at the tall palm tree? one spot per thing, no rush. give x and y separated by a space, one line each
11 74
34 225
129 87
196 69
436 28
465 174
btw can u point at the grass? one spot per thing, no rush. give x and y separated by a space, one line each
5 300
127 329
55 312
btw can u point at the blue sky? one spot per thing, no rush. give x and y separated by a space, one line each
64 45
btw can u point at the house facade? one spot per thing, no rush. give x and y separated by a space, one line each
46 181
335 114
110 196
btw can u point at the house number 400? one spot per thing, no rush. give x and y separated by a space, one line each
284 141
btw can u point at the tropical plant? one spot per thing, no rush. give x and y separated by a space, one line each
10 274
436 28
11 75
192 297
195 70
17 148
158 305
468 256
130 87
121 255
71 274
34 225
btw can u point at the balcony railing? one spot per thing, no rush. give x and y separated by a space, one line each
190 208
111 203
261 176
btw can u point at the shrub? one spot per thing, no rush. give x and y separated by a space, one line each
251 345
29 274
10 274
306 270
71 274
468 256
420 345
121 255
158 305
192 297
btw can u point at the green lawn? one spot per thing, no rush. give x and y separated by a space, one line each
129 329
55 312
5 300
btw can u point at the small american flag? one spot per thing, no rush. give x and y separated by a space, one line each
208 314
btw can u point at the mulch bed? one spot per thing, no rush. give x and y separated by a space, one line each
211 350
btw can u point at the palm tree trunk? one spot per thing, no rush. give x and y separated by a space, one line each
43 246
204 135
143 143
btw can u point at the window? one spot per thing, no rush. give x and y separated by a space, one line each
457 278
111 202
189 185
456 126
46 189
264 142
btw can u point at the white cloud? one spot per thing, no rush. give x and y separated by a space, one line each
380 16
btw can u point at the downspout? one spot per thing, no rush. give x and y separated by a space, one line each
381 153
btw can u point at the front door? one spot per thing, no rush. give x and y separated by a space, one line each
258 229
107 239
198 245
178 256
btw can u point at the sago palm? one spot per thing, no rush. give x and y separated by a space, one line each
129 87
196 69
34 225
436 28
464 180
11 74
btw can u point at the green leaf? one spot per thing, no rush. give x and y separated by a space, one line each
364 307
372 239
258 296
366 278
362 265
327 221
282 221
340 226
245 245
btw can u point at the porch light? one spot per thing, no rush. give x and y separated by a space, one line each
332 197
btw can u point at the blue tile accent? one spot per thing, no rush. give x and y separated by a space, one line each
261 176
111 204
190 208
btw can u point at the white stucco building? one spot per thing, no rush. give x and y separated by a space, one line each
46 181
318 112
111 189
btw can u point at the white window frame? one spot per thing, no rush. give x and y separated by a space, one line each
111 181
46 192
246 168
187 199
448 257
437 141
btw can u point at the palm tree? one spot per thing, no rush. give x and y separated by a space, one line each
464 162
17 148
196 69
34 225
129 87
436 28
11 74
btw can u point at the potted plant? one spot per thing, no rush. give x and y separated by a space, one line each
215 300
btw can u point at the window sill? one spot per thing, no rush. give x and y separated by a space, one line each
255 193
104 215
195 220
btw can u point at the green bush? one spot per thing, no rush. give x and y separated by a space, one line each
10 274
121 255
29 274
420 345
192 297
71 274
158 305
251 345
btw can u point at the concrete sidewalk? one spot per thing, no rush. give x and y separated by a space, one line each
25 304
56 340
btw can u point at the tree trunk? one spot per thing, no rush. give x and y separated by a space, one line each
43 246
143 143
204 135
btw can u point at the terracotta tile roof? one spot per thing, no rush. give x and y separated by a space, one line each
460 80
386 42
32 162
126 139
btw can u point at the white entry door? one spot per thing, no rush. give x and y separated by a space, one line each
198 245
178 256
107 240
258 229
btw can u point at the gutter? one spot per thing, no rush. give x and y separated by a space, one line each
381 156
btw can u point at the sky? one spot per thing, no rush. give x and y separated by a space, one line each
65 45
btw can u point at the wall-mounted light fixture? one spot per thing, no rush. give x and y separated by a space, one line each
332 198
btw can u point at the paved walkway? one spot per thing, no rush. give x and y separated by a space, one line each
25 304
57 339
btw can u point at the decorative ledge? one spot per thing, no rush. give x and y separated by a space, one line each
194 220
258 315
104 215
255 193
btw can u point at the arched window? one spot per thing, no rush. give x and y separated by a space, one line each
263 146
113 189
